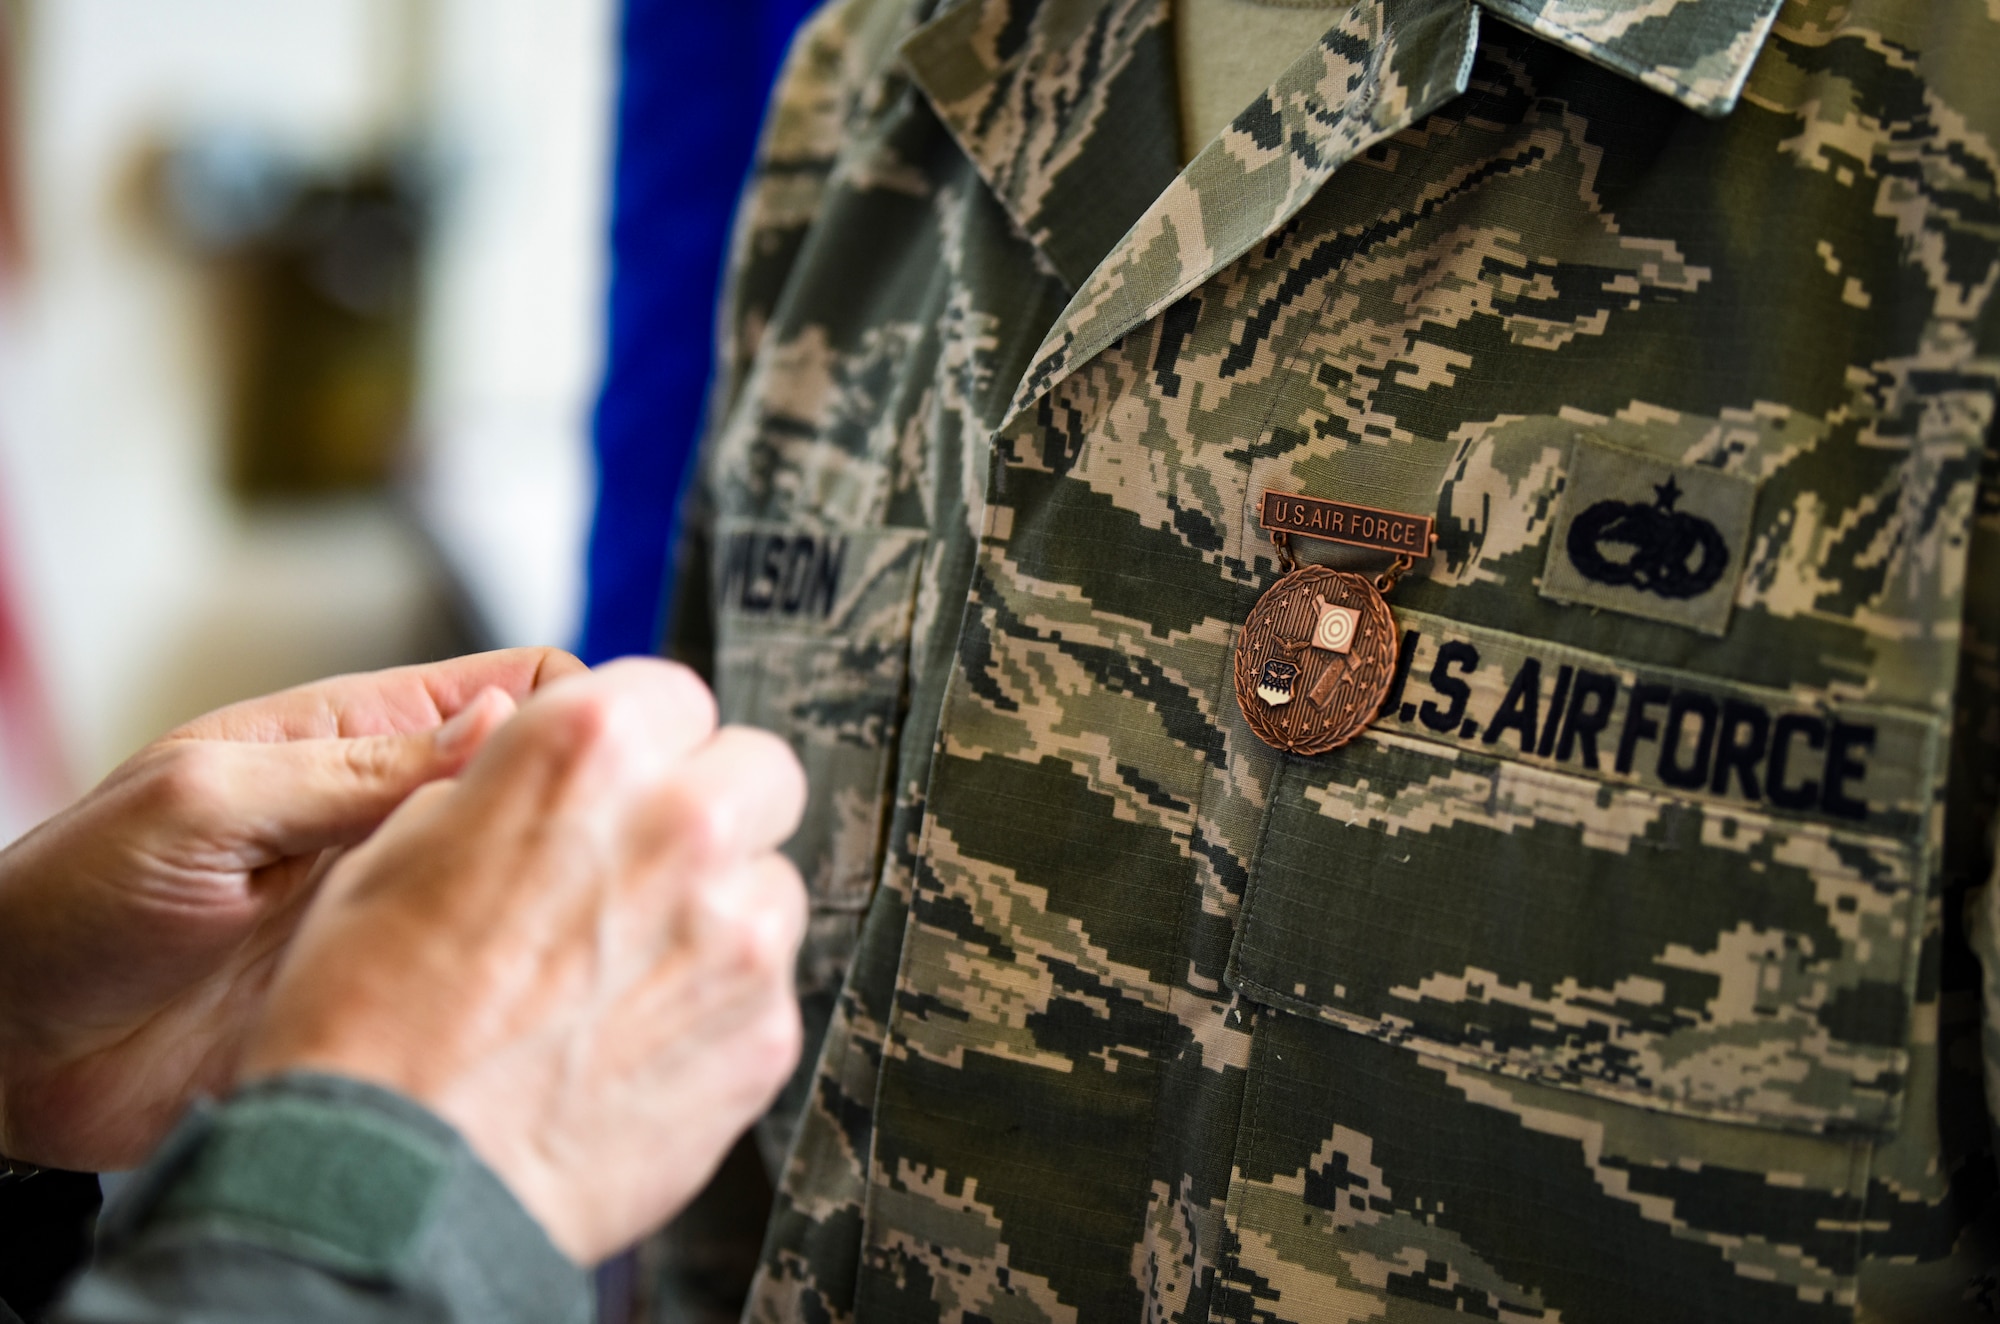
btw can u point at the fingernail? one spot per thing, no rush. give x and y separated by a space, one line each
454 736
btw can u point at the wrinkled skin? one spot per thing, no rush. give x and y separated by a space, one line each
143 925
579 953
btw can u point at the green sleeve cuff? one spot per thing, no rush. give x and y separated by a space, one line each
355 1181
319 1177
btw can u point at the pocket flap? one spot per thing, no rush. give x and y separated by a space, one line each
1676 891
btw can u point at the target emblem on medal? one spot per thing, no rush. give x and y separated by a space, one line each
1336 627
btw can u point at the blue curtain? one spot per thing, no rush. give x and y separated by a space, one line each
692 91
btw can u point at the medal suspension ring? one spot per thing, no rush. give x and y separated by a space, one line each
1296 693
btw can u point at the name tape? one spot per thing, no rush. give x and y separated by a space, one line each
793 580
1860 766
779 573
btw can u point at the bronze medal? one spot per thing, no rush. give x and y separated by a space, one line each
1315 660
1318 654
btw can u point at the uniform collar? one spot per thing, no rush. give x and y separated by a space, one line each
1068 110
1698 52
1065 107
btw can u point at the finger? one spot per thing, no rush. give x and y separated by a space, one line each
770 896
609 737
665 700
421 806
402 699
408 819
266 801
741 795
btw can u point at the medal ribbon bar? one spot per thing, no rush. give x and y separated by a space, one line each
1338 521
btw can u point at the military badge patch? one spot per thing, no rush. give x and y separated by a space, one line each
1649 538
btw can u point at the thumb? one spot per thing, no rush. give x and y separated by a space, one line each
285 798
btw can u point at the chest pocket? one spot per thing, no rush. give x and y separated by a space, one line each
1642 884
814 645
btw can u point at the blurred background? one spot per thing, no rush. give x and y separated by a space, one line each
323 323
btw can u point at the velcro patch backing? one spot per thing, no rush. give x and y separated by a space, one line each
315 1178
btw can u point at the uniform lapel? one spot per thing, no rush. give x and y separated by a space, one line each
1065 107
1381 67
1067 110
1698 52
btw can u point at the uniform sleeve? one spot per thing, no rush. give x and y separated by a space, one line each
313 1199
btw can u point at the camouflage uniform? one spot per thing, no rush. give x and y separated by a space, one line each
1625 969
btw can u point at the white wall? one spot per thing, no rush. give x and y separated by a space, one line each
149 594
519 110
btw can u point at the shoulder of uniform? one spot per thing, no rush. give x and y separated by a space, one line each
853 42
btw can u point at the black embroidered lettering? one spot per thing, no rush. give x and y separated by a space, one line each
761 585
798 576
735 569
1589 713
1739 747
1450 686
1638 726
1692 775
1404 656
1783 794
1520 711
1556 701
1842 768
826 579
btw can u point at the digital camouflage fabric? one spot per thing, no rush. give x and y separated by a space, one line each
1627 968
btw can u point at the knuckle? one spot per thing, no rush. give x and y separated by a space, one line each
789 902
686 691
674 702
187 779
691 691
775 1043
790 886
751 947
769 755
553 664
697 823
757 952
369 761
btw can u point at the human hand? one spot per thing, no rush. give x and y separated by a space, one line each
142 925
579 954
